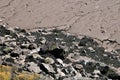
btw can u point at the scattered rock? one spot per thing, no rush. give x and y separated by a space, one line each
47 68
49 60
78 67
56 55
32 46
32 67
43 40
14 54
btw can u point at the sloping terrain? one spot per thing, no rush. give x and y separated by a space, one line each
55 54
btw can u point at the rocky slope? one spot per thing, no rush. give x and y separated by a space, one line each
54 54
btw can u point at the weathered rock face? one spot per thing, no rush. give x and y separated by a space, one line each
56 55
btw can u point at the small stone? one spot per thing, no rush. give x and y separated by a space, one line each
7 56
32 46
60 73
1 53
78 67
25 52
35 51
104 69
36 56
49 60
43 40
60 62
46 77
7 50
43 49
47 68
96 72
24 46
70 70
91 49
9 60
1 20
87 41
96 76
13 44
34 67
52 45
29 58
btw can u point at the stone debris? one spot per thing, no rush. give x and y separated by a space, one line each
57 55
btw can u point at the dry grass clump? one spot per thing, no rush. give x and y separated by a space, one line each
5 72
26 76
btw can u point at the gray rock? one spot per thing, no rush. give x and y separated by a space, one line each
24 46
14 44
48 67
35 51
37 56
46 77
78 67
25 51
70 70
34 67
77 77
32 46
43 40
49 60
7 50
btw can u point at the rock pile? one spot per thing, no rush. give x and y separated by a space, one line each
56 55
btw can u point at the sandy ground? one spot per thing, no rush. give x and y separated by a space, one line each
95 18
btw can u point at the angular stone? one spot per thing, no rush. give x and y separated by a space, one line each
37 56
47 68
60 73
32 46
43 40
78 67
7 50
25 52
34 67
96 72
49 60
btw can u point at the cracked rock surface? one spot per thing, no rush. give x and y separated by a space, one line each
55 54
96 18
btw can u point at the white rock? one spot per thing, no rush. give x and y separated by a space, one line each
60 62
48 67
96 72
60 72
96 76
37 56
35 50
